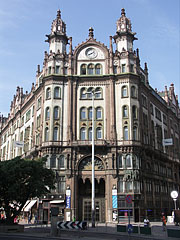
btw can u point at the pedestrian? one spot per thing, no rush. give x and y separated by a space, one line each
164 223
29 218
146 222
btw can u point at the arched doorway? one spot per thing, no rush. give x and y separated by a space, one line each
85 189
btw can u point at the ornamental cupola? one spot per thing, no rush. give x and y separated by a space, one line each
124 36
57 39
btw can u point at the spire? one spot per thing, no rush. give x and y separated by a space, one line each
58 14
123 12
91 32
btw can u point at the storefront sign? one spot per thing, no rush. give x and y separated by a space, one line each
114 198
68 198
68 201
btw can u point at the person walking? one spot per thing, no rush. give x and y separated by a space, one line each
164 223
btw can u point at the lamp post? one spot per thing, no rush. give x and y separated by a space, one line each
174 195
93 179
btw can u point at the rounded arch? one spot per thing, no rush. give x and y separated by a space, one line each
85 164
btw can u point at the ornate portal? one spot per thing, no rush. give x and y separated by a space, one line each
86 164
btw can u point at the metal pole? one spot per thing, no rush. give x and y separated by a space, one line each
93 182
174 203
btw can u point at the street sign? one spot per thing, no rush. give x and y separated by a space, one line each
130 228
129 199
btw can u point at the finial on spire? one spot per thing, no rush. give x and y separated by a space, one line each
58 13
123 12
91 34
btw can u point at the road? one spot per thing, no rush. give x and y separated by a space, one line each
22 237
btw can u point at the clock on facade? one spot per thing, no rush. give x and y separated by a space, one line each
91 53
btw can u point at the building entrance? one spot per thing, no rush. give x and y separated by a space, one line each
85 200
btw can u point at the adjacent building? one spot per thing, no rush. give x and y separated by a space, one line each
137 128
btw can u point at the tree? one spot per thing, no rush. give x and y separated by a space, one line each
20 180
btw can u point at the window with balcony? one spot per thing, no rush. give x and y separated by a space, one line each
126 133
55 134
99 133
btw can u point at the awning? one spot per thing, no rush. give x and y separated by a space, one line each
57 201
30 205
25 205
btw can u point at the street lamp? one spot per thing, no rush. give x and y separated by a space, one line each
174 195
92 92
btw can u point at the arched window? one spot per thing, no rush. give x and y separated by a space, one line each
53 161
133 92
120 161
128 162
83 133
90 113
83 113
48 93
55 134
47 113
125 111
57 92
126 137
98 69
98 113
83 93
99 133
83 69
134 112
61 162
89 92
56 112
90 70
134 133
98 93
90 133
46 134
124 91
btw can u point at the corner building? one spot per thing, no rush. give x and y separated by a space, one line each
131 122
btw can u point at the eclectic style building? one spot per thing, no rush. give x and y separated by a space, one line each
137 129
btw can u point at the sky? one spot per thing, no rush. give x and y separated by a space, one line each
24 24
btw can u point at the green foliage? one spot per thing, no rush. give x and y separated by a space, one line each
20 180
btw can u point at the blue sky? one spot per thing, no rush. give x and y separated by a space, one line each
24 24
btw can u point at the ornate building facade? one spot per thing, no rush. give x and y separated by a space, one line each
132 120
